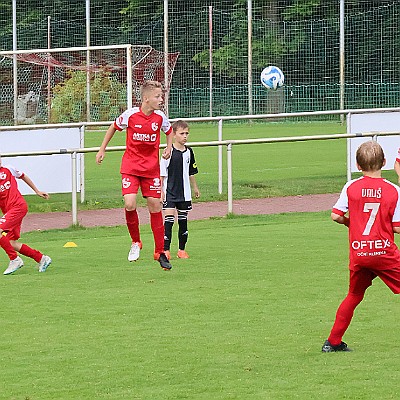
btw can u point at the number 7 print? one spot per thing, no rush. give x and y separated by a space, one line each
373 207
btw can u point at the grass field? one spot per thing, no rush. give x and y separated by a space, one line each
259 170
244 318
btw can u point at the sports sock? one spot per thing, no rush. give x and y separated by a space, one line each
183 231
157 226
344 315
7 247
168 224
32 253
132 222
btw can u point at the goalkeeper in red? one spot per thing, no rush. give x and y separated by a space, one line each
14 209
140 166
373 207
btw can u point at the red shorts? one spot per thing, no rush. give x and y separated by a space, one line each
150 187
361 279
11 222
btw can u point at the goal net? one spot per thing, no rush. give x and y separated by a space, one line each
78 84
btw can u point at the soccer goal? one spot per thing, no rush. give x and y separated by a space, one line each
77 84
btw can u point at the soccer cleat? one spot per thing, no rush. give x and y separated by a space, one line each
329 348
15 264
164 263
44 263
134 252
182 254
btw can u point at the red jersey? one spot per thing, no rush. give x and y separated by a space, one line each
374 209
141 156
10 196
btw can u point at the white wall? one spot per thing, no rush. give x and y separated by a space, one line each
53 173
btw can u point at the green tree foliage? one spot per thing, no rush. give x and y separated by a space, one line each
107 97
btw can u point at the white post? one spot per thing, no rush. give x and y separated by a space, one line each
48 68
166 68
229 160
341 60
82 163
129 82
250 55
74 197
88 117
220 157
15 66
348 148
210 29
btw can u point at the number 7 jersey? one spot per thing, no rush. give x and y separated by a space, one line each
373 205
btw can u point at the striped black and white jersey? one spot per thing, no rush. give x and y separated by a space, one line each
176 171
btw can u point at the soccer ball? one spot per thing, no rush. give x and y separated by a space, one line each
272 77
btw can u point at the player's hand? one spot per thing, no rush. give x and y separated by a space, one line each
197 193
100 156
166 153
43 195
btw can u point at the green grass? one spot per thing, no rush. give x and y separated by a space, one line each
244 318
259 170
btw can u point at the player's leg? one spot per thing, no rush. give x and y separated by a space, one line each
183 211
359 283
130 186
42 260
151 190
10 226
169 220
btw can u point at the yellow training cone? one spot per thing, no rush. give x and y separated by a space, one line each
70 244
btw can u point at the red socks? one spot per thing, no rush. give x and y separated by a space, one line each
132 222
344 315
32 253
157 226
7 246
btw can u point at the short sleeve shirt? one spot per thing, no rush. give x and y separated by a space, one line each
141 157
374 209
10 196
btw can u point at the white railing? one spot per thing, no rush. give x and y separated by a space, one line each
229 148
220 120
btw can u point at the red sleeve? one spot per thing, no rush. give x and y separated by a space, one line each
117 127
338 212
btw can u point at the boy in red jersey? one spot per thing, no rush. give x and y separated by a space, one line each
373 204
140 165
14 209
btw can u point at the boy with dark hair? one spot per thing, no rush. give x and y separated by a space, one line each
14 209
373 204
177 179
140 165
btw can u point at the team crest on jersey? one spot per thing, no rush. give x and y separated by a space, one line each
154 126
126 183
3 175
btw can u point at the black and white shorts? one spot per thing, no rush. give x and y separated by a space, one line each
179 205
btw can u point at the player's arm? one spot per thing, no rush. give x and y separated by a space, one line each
107 137
397 169
340 219
30 183
168 150
195 188
396 229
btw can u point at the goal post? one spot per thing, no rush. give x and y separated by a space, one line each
111 82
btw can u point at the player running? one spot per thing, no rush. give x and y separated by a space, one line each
140 165
373 204
14 209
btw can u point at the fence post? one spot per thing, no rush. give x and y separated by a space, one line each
74 183
220 157
229 161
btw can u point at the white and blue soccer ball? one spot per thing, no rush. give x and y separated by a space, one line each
272 77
